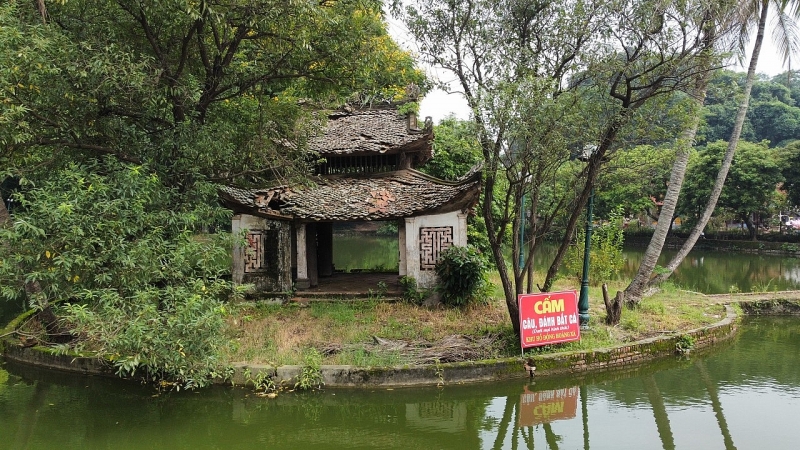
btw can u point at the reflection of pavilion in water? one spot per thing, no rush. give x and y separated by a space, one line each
448 416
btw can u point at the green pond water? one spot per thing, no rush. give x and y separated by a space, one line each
702 271
744 394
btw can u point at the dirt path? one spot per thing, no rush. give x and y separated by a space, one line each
755 296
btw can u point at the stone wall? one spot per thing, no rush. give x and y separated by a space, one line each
779 307
624 357
264 258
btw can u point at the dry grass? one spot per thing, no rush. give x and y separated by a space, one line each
280 334
357 332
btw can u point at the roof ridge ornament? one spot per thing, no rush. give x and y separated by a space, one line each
412 92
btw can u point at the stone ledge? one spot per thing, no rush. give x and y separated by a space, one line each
44 357
579 363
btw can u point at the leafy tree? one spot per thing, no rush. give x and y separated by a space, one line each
544 81
791 172
775 121
773 115
633 178
721 103
751 182
455 149
198 90
184 95
789 79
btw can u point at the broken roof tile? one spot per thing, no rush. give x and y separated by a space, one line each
391 195
371 131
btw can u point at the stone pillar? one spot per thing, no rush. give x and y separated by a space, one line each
311 254
401 245
325 248
302 281
460 238
412 249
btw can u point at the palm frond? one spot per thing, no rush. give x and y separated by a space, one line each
786 35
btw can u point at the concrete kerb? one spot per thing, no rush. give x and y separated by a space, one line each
575 363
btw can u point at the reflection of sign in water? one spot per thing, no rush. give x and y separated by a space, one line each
548 318
547 406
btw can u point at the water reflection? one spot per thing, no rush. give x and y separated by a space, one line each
547 406
723 272
745 395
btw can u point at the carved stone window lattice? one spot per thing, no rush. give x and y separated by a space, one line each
432 242
254 260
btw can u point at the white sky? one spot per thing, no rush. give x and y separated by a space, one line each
438 104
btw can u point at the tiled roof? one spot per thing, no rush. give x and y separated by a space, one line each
371 131
391 195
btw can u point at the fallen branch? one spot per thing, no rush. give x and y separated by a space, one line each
453 348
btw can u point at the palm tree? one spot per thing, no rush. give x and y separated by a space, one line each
788 42
635 290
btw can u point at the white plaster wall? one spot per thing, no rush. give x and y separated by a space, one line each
427 278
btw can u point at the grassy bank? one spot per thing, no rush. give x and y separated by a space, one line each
377 333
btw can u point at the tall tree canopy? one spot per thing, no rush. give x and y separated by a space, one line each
753 178
116 119
545 81
195 89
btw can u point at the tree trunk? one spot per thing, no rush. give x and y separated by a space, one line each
592 169
572 224
613 307
752 228
716 190
4 215
635 290
495 242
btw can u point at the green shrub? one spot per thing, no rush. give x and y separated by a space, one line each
387 229
605 259
461 273
790 247
310 376
120 254
411 293
684 344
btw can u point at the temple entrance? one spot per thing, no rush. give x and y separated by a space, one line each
365 259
